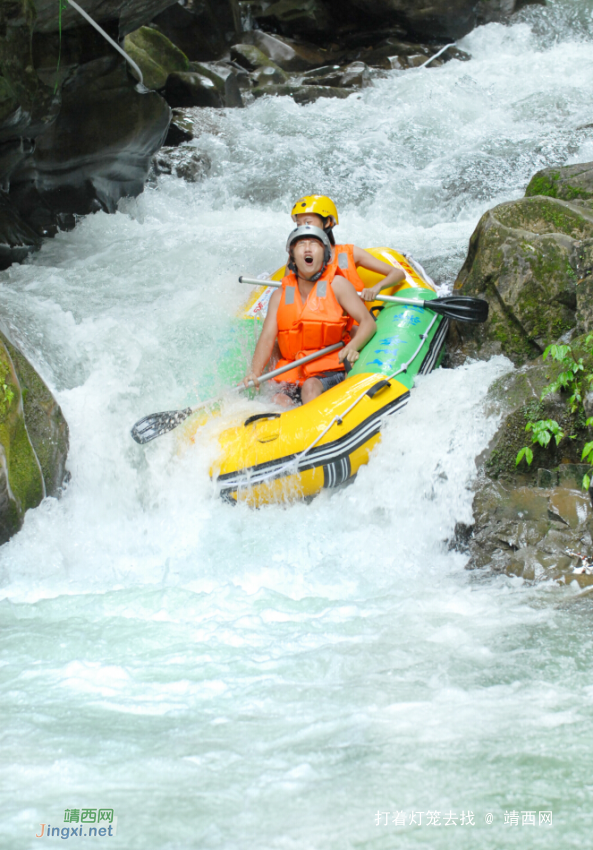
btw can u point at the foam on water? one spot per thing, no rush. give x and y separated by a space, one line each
229 678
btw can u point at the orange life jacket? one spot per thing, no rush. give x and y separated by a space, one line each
305 328
343 263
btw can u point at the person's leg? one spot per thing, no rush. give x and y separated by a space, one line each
312 388
289 395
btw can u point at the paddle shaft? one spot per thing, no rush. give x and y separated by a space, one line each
462 308
416 302
156 424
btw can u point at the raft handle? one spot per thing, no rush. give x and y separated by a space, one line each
377 388
257 416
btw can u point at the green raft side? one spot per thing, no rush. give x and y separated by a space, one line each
399 328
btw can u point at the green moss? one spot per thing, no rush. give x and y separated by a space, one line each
46 426
543 183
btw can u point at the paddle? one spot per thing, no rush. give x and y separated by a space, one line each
462 308
156 424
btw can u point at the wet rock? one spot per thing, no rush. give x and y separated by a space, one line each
302 94
130 14
250 57
527 531
309 18
185 161
192 89
570 183
523 260
46 427
98 149
489 11
354 75
203 29
17 238
227 78
268 75
288 54
155 55
451 19
33 440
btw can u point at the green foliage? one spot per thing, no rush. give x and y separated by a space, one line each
575 380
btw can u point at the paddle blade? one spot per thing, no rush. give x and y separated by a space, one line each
153 426
462 308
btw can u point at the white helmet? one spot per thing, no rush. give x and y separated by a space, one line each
309 231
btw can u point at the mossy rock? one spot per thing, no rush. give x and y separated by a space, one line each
523 260
155 55
33 440
250 57
21 481
573 182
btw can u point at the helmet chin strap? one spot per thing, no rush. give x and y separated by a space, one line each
291 265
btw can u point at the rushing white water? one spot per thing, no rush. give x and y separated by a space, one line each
226 678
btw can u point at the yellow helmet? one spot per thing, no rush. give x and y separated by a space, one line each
318 204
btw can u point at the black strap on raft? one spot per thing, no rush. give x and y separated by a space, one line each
377 388
257 416
374 311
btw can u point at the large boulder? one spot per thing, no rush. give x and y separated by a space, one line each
203 29
527 518
33 440
83 165
74 135
525 258
450 19
309 18
570 183
17 238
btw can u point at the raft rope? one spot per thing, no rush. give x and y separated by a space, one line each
94 24
436 55
293 463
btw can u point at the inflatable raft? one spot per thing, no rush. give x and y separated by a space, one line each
282 456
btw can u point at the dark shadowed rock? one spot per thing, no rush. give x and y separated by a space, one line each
309 18
489 11
83 166
288 54
17 239
203 29
192 89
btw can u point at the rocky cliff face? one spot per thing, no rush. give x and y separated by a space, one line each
533 261
76 133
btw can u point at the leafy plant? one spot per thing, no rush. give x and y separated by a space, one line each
575 380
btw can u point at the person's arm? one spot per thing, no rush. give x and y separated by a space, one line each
349 300
266 341
393 274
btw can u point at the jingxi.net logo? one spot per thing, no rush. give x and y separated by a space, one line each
85 823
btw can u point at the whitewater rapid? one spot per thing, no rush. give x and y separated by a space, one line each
283 678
